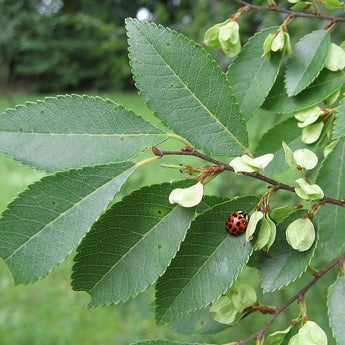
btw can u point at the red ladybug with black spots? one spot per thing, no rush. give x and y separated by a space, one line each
237 223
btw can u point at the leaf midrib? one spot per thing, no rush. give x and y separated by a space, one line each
64 213
305 71
193 94
253 82
132 248
339 185
85 134
194 276
308 88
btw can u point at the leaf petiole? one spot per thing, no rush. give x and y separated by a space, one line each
146 161
182 139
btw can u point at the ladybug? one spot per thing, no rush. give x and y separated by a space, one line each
237 223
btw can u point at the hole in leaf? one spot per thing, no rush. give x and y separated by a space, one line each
159 246
42 112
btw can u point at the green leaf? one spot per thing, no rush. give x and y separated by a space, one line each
199 322
339 128
206 265
44 224
164 342
286 263
271 142
336 311
209 201
186 88
307 61
279 213
293 331
131 245
323 86
331 219
251 76
74 131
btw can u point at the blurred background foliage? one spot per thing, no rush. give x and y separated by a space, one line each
49 47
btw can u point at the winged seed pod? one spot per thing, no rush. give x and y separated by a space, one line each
302 158
252 224
311 133
228 309
335 60
300 234
309 333
226 36
308 116
267 234
308 191
187 197
248 164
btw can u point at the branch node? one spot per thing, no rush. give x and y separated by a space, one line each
156 151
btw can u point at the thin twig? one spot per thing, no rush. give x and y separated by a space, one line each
259 334
189 151
291 13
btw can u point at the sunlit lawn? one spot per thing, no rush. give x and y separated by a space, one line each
50 312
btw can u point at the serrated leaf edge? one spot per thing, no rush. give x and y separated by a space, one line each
168 342
128 253
159 26
90 305
160 132
28 188
239 269
310 87
245 48
315 244
328 310
289 63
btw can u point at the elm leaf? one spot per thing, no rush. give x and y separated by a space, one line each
336 297
199 322
206 265
44 224
251 76
131 245
286 264
186 88
271 142
322 87
164 342
307 61
339 128
74 131
331 219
